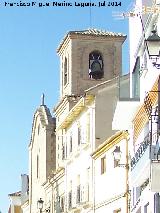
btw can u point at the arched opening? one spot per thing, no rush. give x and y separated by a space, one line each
96 65
65 71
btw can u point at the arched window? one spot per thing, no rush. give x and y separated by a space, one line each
37 166
95 65
65 71
38 129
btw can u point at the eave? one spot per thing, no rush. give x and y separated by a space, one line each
75 111
109 143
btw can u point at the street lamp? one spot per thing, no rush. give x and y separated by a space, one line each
117 153
117 156
153 48
40 204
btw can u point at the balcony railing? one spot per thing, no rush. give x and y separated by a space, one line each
141 150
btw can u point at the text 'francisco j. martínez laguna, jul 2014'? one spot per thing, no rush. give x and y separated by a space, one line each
62 4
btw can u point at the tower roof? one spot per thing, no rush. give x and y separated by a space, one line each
90 33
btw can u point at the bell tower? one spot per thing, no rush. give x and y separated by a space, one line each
88 58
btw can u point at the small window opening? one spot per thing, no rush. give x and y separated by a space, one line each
71 142
65 71
103 165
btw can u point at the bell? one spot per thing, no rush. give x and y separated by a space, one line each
96 71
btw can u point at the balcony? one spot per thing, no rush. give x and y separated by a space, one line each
124 103
145 164
140 163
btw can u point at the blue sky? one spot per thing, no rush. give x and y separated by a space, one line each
29 67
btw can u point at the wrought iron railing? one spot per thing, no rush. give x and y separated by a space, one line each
141 150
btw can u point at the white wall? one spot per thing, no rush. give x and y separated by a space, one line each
112 183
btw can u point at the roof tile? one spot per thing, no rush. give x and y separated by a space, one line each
96 32
91 32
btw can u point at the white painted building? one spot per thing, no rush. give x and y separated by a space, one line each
41 158
142 118
110 177
61 172
90 66
80 140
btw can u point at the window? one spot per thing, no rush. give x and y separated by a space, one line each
60 203
79 135
95 65
103 165
62 147
65 71
71 142
63 151
70 199
38 129
70 196
37 166
78 190
78 194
